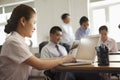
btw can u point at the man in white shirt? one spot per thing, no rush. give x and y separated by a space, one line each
68 35
53 50
109 42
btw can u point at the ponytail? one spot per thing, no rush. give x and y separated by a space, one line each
18 12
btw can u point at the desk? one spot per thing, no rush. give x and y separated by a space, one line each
113 67
94 68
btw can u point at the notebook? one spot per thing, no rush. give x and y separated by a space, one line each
85 53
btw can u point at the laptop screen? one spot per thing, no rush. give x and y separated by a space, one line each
86 49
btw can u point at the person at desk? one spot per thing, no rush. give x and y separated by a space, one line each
53 50
16 60
109 42
68 35
83 30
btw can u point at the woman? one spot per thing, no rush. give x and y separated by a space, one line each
16 61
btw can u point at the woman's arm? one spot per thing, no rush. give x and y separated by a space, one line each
42 64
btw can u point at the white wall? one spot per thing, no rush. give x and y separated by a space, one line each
10 1
49 14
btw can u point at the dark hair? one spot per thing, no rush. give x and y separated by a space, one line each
83 19
18 12
64 16
119 26
104 27
54 29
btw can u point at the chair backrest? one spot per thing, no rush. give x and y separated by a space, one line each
67 47
0 48
41 45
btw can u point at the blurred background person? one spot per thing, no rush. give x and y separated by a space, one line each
83 30
68 35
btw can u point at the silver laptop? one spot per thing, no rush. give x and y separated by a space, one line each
85 53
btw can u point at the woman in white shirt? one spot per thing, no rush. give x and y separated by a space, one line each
16 61
109 42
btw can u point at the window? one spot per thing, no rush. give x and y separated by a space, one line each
98 19
114 17
2 26
2 35
2 18
106 13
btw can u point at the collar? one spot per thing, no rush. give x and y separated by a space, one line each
66 24
81 28
52 43
18 35
108 40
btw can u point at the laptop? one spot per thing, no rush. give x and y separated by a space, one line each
85 53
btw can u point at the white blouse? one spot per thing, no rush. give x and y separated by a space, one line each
14 52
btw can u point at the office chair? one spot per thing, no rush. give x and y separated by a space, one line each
67 47
116 75
0 48
47 73
41 45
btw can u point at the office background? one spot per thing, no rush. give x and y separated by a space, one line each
99 12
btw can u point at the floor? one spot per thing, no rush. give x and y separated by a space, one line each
42 78
37 78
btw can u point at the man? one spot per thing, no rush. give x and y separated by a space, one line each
53 50
109 42
83 30
68 35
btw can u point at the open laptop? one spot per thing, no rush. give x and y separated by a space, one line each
85 53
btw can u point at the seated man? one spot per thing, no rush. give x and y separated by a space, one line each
109 42
53 50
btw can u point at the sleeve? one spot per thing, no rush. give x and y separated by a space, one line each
45 53
64 38
18 52
114 48
89 31
77 35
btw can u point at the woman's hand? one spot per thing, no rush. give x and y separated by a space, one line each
67 59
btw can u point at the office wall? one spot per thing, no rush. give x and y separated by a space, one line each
49 12
9 1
